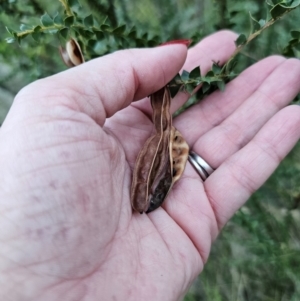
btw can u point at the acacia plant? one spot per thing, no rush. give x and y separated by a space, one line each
99 34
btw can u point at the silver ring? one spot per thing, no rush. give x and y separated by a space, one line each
202 167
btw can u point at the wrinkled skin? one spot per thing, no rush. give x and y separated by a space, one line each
67 150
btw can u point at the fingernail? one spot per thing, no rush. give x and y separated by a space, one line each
185 42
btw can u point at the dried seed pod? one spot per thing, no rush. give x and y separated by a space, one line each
178 156
72 54
153 158
142 174
179 150
161 161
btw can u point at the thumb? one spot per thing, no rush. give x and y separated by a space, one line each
103 86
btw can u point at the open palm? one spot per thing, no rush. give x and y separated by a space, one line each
67 151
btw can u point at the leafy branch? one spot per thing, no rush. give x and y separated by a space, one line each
293 45
218 76
98 38
277 12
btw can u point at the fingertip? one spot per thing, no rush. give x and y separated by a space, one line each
105 85
165 63
226 37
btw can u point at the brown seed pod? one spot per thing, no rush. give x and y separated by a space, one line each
72 54
161 161
179 154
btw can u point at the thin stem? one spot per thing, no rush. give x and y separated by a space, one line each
67 8
43 28
253 36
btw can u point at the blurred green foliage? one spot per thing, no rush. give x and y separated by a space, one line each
172 20
257 255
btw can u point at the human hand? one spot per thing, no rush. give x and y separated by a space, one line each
68 147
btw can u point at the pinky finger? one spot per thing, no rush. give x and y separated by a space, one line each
229 187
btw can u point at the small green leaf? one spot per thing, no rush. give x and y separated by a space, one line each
174 90
92 43
125 43
205 79
99 35
262 22
10 40
297 46
10 31
74 3
51 30
185 75
216 68
145 36
20 38
221 85
69 21
140 43
152 43
87 34
132 34
290 3
37 28
296 3
104 20
195 73
275 2
293 42
88 21
36 36
233 13
199 81
277 11
176 80
241 40
295 34
58 19
64 33
200 94
156 39
205 87
24 27
46 20
189 88
230 65
119 30
105 27
269 2
210 73
288 52
254 23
